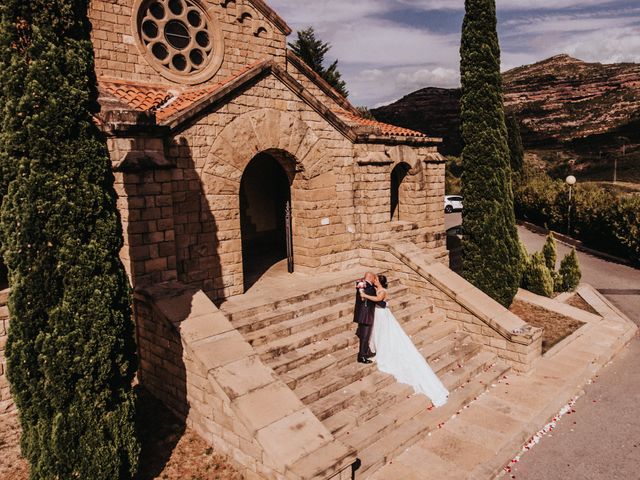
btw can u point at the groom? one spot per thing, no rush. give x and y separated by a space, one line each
363 315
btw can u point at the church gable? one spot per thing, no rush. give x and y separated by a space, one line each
183 42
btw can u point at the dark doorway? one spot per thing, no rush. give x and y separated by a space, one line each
397 177
264 196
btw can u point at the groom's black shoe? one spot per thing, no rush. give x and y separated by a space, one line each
364 360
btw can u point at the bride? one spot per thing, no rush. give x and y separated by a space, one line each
395 352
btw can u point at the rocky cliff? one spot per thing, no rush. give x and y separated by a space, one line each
558 101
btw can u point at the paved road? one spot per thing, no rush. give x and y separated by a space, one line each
601 441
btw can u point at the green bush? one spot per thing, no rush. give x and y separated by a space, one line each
490 244
71 348
537 277
570 272
550 252
601 219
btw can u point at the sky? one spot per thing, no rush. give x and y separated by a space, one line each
389 48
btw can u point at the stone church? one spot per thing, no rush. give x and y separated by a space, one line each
252 195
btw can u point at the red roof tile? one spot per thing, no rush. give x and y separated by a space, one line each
385 128
162 100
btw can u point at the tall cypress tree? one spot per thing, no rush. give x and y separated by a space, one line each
490 245
71 351
516 150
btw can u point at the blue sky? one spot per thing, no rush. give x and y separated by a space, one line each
388 48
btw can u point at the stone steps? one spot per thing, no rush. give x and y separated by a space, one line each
303 317
351 372
409 421
279 346
344 340
249 318
309 341
350 385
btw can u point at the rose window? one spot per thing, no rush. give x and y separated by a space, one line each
180 39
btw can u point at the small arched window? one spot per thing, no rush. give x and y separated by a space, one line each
398 175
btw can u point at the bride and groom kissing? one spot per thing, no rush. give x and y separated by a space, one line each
382 337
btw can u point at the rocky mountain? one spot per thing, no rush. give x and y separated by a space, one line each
560 101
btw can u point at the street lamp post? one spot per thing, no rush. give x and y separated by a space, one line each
571 181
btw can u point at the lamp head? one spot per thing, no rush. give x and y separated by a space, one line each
571 180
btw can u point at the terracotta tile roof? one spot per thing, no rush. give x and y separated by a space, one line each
138 97
163 100
385 128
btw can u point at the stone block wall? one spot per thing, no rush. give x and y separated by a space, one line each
118 56
201 367
6 403
145 203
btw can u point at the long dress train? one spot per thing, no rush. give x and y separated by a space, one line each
398 356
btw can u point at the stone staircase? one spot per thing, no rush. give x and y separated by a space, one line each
309 340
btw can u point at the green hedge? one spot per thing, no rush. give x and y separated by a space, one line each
600 219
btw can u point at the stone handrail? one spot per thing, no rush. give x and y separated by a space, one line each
235 401
499 329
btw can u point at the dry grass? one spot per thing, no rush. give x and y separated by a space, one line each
169 451
556 327
579 302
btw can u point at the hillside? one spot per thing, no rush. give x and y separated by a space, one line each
562 103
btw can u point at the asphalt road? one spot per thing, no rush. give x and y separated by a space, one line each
601 441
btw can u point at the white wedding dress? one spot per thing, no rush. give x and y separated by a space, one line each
398 356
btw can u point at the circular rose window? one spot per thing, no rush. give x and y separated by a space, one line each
180 38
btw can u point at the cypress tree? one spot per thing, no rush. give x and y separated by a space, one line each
490 245
516 150
550 252
71 351
570 272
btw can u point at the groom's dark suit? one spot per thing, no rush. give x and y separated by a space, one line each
363 315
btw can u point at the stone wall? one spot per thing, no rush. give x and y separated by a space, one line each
145 203
6 403
339 197
197 364
118 56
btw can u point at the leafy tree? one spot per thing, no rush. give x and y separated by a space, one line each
71 351
537 277
516 150
570 272
313 50
490 245
550 252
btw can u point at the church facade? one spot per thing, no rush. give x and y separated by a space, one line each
230 153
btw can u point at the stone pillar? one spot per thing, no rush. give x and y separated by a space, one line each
143 183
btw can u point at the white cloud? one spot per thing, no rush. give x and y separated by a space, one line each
436 77
506 4
384 54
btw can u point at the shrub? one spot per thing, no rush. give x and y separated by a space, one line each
550 252
490 244
537 277
71 348
570 272
601 219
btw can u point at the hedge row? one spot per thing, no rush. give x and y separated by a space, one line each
600 219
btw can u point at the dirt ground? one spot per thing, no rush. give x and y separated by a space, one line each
169 451
556 327
579 302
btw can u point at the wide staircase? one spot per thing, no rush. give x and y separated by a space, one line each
309 340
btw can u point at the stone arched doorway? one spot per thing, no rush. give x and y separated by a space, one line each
265 217
398 193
